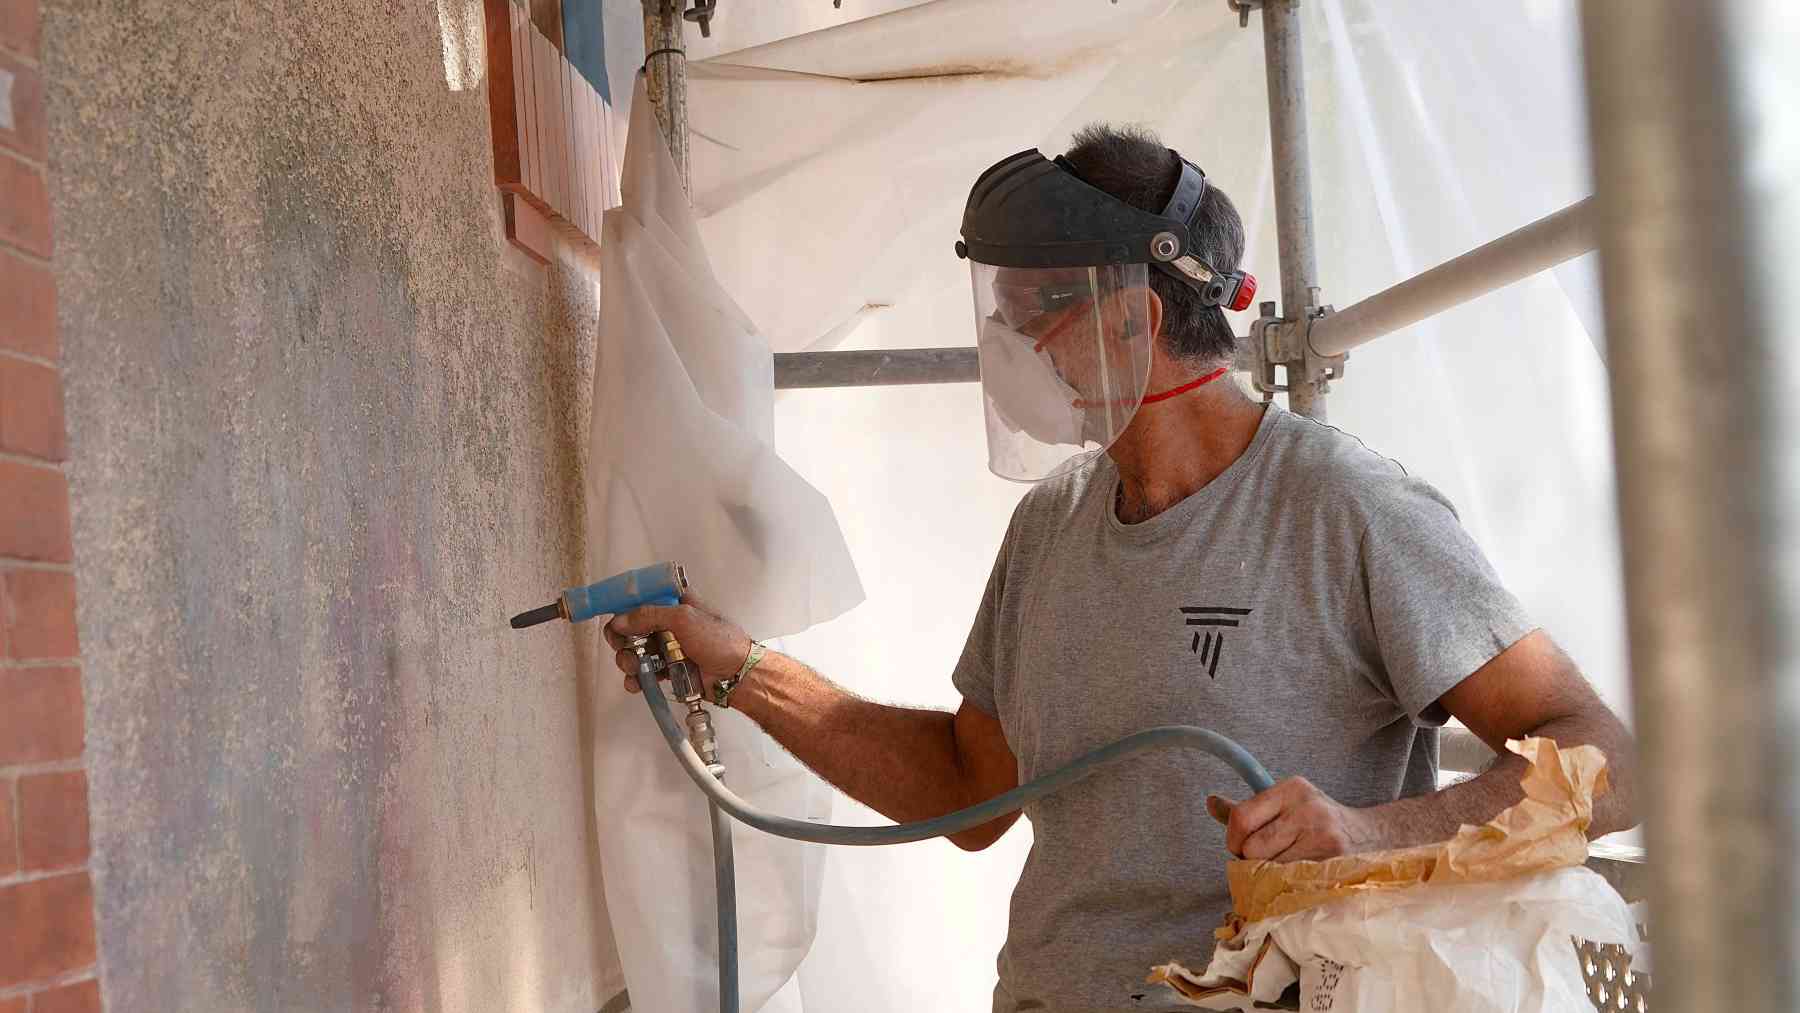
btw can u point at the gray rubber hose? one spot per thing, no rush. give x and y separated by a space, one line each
724 800
1165 737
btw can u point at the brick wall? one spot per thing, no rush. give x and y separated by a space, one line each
47 939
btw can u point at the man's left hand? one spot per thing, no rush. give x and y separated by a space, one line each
1292 821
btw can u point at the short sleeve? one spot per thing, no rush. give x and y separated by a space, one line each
975 670
1438 608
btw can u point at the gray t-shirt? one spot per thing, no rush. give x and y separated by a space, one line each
1312 602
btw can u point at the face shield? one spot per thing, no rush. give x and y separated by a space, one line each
1063 305
1065 359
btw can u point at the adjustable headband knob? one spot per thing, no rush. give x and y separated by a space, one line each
1164 246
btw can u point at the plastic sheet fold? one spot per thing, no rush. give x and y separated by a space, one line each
682 467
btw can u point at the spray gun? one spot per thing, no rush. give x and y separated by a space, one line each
658 654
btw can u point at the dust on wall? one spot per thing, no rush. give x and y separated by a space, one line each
325 436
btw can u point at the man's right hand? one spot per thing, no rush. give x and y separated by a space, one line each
715 644
905 763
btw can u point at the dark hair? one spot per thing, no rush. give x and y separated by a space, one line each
1130 163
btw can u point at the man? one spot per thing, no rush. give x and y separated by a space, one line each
1223 563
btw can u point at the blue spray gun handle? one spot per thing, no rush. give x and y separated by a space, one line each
656 584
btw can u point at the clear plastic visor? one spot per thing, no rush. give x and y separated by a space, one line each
1065 357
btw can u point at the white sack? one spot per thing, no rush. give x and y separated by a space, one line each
1504 947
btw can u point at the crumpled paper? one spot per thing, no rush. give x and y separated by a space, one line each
1544 831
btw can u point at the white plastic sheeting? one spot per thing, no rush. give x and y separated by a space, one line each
830 171
682 467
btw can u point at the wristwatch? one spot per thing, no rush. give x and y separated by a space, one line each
722 689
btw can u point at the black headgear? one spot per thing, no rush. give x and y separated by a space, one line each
1028 211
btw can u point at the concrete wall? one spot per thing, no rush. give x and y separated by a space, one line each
326 432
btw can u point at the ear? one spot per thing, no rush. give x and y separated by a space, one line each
1128 302
1155 305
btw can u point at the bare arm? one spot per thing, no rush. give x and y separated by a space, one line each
1531 688
905 763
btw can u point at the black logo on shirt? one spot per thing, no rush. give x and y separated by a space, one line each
1213 645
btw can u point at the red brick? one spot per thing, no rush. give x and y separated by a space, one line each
38 608
526 227
53 820
34 513
81 997
13 1005
31 410
40 715
27 306
19 26
46 928
25 213
26 110
9 843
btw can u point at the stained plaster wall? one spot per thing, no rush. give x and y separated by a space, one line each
326 433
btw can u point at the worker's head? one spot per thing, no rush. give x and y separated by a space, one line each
1091 273
1130 163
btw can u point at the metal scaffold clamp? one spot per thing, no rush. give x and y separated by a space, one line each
1278 341
702 14
1243 8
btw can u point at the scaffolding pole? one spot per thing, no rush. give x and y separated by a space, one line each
1699 223
896 367
1543 244
665 71
1293 194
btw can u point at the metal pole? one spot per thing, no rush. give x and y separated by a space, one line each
1293 186
799 370
1699 224
665 69
1543 244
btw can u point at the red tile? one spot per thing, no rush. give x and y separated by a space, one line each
526 228
25 111
559 128
81 997
19 26
602 159
25 213
53 820
34 513
520 86
46 928
577 161
584 134
498 17
27 306
31 410
41 716
534 156
540 117
38 609
544 57
590 139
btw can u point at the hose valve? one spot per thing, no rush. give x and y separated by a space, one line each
686 685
